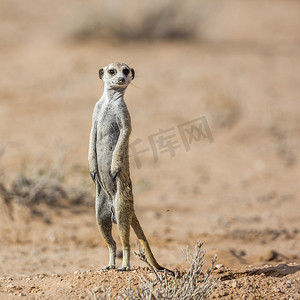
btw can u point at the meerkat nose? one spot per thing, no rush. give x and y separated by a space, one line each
121 80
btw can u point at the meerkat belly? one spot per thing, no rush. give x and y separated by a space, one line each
107 138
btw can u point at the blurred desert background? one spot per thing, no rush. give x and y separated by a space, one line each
232 67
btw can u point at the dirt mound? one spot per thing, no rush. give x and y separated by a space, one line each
269 282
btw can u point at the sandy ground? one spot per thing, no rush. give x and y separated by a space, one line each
232 185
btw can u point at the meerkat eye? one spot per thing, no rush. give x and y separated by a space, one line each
125 72
112 71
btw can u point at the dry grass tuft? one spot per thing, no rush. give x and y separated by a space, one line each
285 145
37 184
136 20
192 284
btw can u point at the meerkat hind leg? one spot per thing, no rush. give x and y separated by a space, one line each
124 221
104 219
124 230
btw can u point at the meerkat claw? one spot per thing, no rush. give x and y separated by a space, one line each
114 174
93 175
109 267
123 269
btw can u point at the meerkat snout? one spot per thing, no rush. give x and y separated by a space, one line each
121 80
117 75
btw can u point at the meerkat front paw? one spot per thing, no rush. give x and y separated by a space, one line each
114 171
93 172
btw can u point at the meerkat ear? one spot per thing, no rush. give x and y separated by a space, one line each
133 73
101 72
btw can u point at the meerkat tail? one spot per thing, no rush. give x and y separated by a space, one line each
143 241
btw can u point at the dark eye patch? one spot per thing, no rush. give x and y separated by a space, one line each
125 72
112 71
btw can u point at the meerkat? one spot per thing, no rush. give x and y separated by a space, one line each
109 165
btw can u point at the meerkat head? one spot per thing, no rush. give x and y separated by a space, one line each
116 75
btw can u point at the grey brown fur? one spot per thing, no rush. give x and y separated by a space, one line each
109 165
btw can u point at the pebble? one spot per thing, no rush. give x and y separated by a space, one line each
234 284
152 276
10 286
96 289
224 293
21 295
276 289
219 266
76 272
